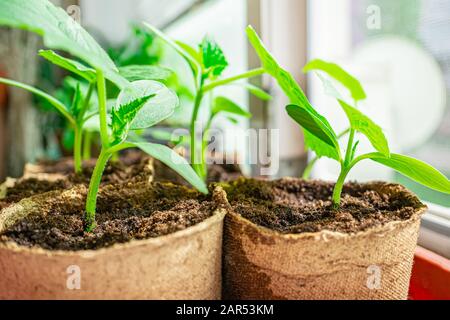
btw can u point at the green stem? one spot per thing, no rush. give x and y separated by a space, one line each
338 187
348 152
311 164
78 162
87 145
194 161
344 173
103 112
91 202
53 101
246 75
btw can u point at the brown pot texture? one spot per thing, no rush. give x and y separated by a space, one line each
61 168
260 263
182 265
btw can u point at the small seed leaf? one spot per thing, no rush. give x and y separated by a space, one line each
222 104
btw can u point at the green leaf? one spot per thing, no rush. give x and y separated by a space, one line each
69 65
175 162
137 72
59 31
222 104
214 60
61 107
296 95
157 109
360 122
190 50
77 103
416 170
309 122
320 148
124 115
192 62
256 91
336 72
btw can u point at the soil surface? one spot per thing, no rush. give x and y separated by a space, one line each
129 169
124 213
216 173
298 206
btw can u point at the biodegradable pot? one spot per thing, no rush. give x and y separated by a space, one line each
260 263
182 265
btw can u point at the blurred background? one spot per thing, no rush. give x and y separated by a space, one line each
400 50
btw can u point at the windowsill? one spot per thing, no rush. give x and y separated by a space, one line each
435 230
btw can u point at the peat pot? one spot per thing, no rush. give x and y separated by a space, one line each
176 253
306 250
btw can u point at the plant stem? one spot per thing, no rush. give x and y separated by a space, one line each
78 163
338 187
101 88
87 145
194 161
91 202
246 75
53 101
343 175
348 152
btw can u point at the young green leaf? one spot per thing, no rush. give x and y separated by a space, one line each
174 161
157 109
136 72
190 50
69 65
309 122
124 115
52 100
213 58
77 103
256 91
296 95
415 169
360 122
222 104
336 72
59 31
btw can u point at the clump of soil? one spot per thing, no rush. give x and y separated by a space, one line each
124 213
216 173
128 169
298 206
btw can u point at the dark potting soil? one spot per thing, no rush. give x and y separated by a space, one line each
216 173
124 213
298 206
128 169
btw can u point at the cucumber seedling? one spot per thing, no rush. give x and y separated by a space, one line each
140 104
207 64
354 87
322 139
